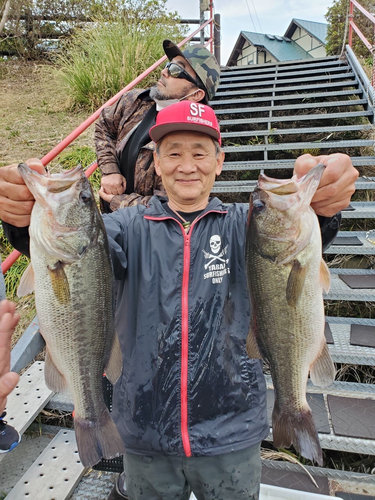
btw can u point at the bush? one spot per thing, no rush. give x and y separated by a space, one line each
103 58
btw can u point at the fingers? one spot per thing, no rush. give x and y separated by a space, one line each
104 196
337 184
7 383
16 201
113 184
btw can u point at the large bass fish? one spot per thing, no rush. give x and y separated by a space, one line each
286 275
72 276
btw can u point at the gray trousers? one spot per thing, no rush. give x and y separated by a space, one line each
229 476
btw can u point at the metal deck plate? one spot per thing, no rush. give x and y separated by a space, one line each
55 473
341 291
28 398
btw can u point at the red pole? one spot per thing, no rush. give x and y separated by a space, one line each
350 23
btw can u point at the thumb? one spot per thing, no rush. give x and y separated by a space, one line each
36 164
8 382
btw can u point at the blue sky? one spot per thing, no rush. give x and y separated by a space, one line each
267 16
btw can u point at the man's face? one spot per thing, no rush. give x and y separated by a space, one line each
174 88
188 164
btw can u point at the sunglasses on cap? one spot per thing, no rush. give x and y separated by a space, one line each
175 71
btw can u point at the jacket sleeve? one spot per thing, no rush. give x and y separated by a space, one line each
106 131
18 237
117 239
329 227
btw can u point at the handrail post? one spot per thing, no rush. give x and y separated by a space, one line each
350 23
217 41
211 27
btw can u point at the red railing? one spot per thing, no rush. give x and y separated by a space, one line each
11 259
353 26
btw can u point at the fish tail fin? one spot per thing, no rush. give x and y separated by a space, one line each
97 440
297 429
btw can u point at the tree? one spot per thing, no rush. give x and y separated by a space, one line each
337 18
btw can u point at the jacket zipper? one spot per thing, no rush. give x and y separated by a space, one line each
185 328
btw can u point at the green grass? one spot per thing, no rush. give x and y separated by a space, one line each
99 61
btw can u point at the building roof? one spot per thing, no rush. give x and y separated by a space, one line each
317 30
281 48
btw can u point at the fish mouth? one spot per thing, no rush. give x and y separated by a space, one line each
41 185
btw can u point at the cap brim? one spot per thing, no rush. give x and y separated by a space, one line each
171 50
157 132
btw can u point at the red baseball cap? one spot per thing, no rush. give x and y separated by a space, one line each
186 115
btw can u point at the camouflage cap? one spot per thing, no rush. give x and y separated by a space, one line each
201 60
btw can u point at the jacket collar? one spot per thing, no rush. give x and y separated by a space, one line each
155 207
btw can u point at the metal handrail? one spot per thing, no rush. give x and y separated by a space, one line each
12 257
353 26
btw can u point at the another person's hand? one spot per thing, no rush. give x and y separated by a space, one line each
16 201
8 321
337 183
104 196
112 184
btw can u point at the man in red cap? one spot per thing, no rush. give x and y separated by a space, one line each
190 405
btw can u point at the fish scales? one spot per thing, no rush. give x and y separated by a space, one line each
285 276
72 276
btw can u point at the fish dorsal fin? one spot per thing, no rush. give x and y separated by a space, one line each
324 277
114 365
54 379
296 282
323 371
27 282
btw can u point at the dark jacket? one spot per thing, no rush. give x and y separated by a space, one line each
188 386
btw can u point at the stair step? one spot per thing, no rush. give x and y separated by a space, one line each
301 130
28 399
297 88
342 351
249 186
287 97
358 161
277 75
295 118
275 109
341 291
343 76
287 64
55 473
299 145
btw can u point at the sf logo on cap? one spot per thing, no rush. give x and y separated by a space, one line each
196 109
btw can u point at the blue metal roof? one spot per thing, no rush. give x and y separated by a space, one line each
317 30
281 50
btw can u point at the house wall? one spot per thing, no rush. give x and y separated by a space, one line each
313 46
251 55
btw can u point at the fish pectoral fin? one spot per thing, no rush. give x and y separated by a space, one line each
27 282
114 366
323 371
54 379
296 282
60 283
252 345
324 277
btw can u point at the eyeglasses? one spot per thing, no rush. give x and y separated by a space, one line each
175 71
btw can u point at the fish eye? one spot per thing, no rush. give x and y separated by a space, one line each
85 196
258 205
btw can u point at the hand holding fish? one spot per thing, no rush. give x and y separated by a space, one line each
8 321
16 201
337 183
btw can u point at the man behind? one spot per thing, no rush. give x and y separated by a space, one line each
190 405
123 146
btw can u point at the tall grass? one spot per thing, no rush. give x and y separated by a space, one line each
102 59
